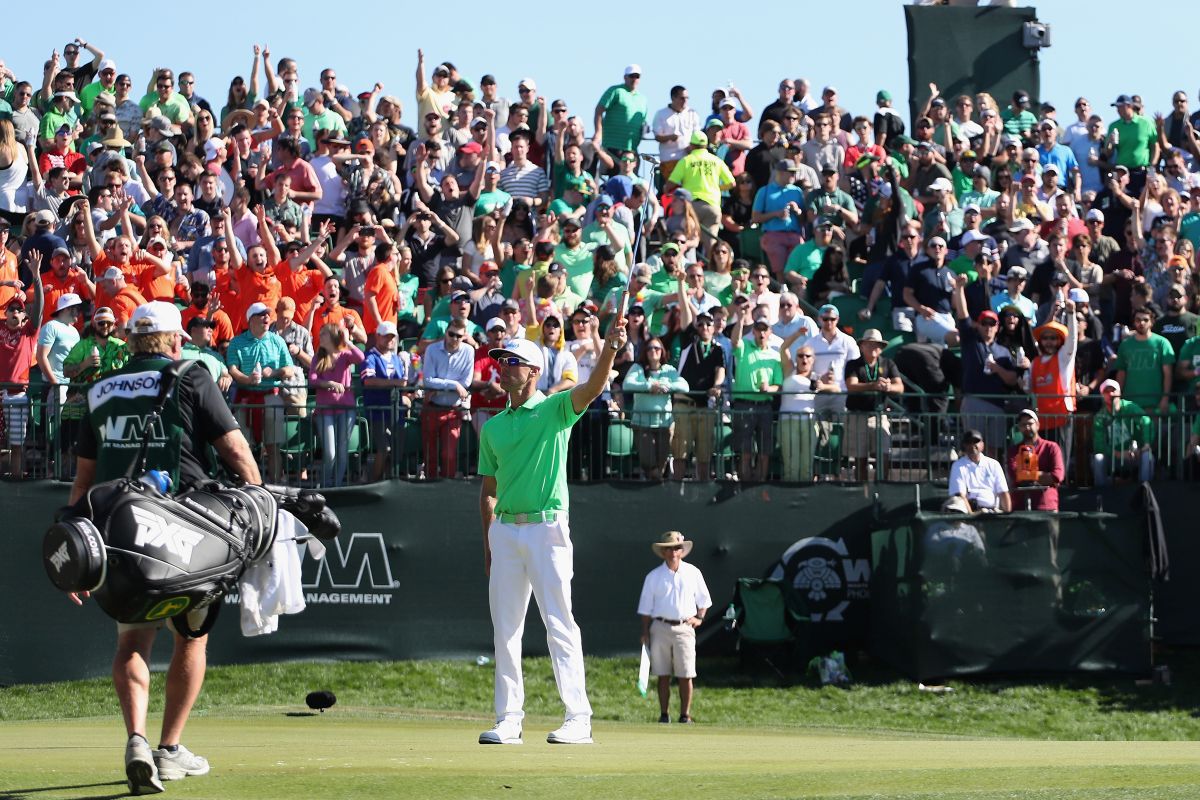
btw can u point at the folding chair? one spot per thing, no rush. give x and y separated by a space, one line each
769 619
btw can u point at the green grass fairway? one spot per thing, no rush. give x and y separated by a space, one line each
345 754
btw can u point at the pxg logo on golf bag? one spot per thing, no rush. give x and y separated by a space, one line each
825 576
156 531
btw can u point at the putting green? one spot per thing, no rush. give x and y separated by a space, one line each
358 754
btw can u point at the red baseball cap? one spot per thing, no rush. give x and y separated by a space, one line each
989 314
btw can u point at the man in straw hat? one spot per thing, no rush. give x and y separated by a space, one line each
869 381
673 603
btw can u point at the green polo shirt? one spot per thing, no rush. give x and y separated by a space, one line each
752 366
624 117
525 450
1136 137
805 259
579 264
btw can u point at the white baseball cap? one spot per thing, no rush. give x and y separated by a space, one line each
157 317
108 63
112 274
1094 214
493 323
1077 295
386 329
255 309
633 69
973 236
941 185
523 349
67 300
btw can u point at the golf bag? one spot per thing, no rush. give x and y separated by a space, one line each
146 555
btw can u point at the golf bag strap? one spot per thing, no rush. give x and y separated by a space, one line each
180 622
170 379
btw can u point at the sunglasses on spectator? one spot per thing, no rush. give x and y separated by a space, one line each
829 319
805 355
446 280
761 276
511 361
454 335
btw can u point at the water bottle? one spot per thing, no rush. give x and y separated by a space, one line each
256 376
95 352
1019 355
1116 334
158 480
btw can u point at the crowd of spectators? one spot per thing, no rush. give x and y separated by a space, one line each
802 279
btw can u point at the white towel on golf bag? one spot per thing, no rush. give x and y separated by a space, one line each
273 586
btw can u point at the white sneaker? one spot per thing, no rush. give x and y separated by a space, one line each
577 730
175 765
506 731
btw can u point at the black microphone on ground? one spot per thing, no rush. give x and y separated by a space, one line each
319 701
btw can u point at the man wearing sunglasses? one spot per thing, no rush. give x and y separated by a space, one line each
989 370
526 538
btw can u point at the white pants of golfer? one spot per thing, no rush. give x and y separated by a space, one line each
537 557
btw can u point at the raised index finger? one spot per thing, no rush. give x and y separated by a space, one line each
622 302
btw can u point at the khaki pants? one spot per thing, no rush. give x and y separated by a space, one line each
694 432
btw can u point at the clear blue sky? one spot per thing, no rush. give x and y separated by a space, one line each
694 43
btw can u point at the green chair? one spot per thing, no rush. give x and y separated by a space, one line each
620 448
750 245
770 620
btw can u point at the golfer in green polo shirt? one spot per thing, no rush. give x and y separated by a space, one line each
526 539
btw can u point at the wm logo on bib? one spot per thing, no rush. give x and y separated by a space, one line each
154 531
132 428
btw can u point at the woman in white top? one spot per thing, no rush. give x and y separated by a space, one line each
561 372
14 168
798 399
482 247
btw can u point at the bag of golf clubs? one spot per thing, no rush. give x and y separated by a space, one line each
147 555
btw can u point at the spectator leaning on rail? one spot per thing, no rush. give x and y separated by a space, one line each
1035 467
979 478
1121 436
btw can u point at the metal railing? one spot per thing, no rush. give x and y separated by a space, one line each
915 438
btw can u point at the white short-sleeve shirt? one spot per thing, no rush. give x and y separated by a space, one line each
674 595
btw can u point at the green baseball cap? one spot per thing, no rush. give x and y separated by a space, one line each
883 96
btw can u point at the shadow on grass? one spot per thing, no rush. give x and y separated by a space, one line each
14 794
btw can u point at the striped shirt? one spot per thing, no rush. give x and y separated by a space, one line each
527 181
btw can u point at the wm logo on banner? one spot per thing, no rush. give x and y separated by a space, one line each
132 428
154 531
360 563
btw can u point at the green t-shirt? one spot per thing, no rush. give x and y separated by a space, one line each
704 175
1018 122
211 361
1189 354
1135 138
491 201
1189 228
525 450
624 117
436 329
818 200
805 259
1117 432
509 271
594 234
176 108
87 95
52 120
325 121
579 264
1143 363
964 265
985 199
408 298
752 366
962 184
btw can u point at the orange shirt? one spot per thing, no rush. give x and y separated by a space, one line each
54 287
256 287
124 303
143 275
381 285
223 331
325 316
303 286
8 272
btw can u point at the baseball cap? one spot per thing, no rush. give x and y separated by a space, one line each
1077 295
604 201
633 69
478 121
471 147
1010 138
715 122
495 322
112 274
971 435
972 207
108 63
386 329
69 95
569 222
528 352
970 237
1122 100
459 296
941 185
104 314
257 308
1094 214
987 314
158 317
785 165
883 96
510 305
1017 273
555 268
67 300
1110 386
698 139
1021 224
1059 279
829 308
727 103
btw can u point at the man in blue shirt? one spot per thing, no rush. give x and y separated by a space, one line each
779 209
384 371
449 366
1061 156
258 359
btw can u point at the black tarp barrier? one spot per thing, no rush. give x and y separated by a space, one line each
1023 593
406 580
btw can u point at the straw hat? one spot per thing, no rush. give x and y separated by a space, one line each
671 539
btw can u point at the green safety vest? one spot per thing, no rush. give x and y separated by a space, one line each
120 408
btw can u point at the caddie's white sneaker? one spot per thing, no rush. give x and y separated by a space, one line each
139 767
506 731
577 730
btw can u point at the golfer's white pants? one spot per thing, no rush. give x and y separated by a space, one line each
536 557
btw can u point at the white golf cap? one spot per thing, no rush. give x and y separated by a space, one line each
523 349
941 185
633 69
1094 214
973 236
108 63
67 300
528 83
386 329
1077 295
157 317
112 274
255 309
495 322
